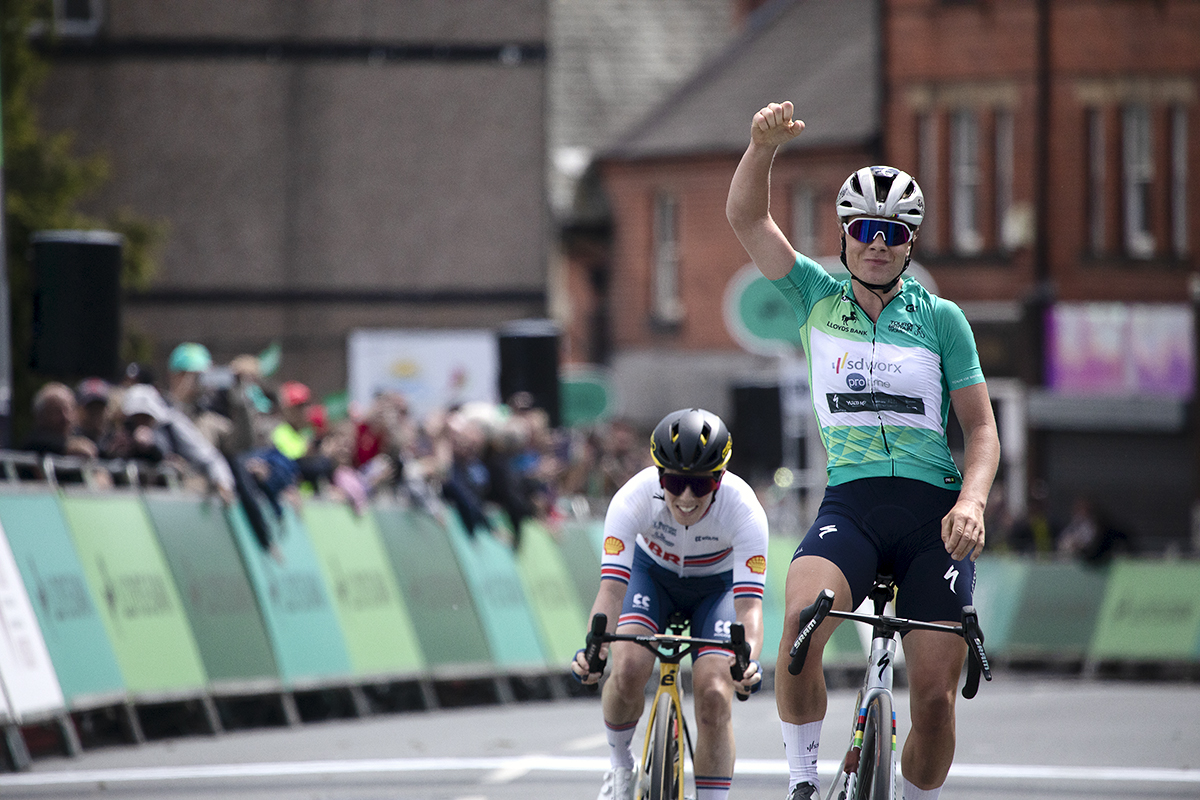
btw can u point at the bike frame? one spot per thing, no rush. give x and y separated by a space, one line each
668 685
878 681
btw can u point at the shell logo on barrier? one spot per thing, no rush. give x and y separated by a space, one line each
757 564
613 546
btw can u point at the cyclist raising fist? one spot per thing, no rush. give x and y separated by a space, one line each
886 361
684 535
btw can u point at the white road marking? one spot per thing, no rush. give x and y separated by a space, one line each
505 769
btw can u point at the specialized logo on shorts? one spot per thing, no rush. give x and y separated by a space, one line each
952 576
826 529
613 546
757 564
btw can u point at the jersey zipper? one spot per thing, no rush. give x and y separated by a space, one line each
887 448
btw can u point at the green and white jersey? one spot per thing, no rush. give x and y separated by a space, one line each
881 390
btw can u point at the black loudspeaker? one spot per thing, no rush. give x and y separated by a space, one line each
76 304
757 430
529 363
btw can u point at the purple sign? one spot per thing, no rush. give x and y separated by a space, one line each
1120 349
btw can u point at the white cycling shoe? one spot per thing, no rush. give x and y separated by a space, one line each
619 784
804 791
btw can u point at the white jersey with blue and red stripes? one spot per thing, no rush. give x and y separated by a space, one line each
732 535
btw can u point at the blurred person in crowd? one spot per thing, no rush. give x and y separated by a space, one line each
1089 535
505 444
467 481
55 414
94 419
295 438
1034 532
247 405
621 457
153 431
187 368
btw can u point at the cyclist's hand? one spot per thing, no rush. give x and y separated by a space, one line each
751 680
773 125
962 530
579 667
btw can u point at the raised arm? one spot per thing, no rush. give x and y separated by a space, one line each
748 207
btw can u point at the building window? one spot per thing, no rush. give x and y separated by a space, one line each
964 183
804 220
927 163
666 307
1009 235
1097 174
78 17
1138 159
1179 174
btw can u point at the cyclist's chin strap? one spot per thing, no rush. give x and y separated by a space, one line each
877 287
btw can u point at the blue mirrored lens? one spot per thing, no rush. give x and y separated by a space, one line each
865 230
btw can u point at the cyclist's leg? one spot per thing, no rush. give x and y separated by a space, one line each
835 554
712 692
645 609
932 587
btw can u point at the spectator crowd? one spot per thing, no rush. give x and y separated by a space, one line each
229 431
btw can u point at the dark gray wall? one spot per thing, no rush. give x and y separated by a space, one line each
306 152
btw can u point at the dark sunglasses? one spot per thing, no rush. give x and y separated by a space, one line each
699 484
865 229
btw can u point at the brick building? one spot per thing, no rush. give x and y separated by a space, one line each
1057 144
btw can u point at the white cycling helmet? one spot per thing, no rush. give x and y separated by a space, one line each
882 192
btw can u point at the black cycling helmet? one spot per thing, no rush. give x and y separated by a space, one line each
691 440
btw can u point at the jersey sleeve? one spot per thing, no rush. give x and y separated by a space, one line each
960 359
806 283
750 549
621 522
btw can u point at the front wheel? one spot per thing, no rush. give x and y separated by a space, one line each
876 765
663 757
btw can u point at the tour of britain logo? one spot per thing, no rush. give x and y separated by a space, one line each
613 546
757 564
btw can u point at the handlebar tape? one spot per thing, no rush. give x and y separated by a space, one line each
810 618
977 661
741 655
594 640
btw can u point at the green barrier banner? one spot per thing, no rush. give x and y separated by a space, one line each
491 572
1057 612
1151 611
379 632
216 593
443 611
577 543
999 586
133 588
779 558
552 595
75 635
300 620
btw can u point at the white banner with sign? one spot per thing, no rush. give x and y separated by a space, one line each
432 369
31 686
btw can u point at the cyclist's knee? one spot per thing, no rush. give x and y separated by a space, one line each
932 708
712 705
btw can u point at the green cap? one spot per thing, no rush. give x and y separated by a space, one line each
190 357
